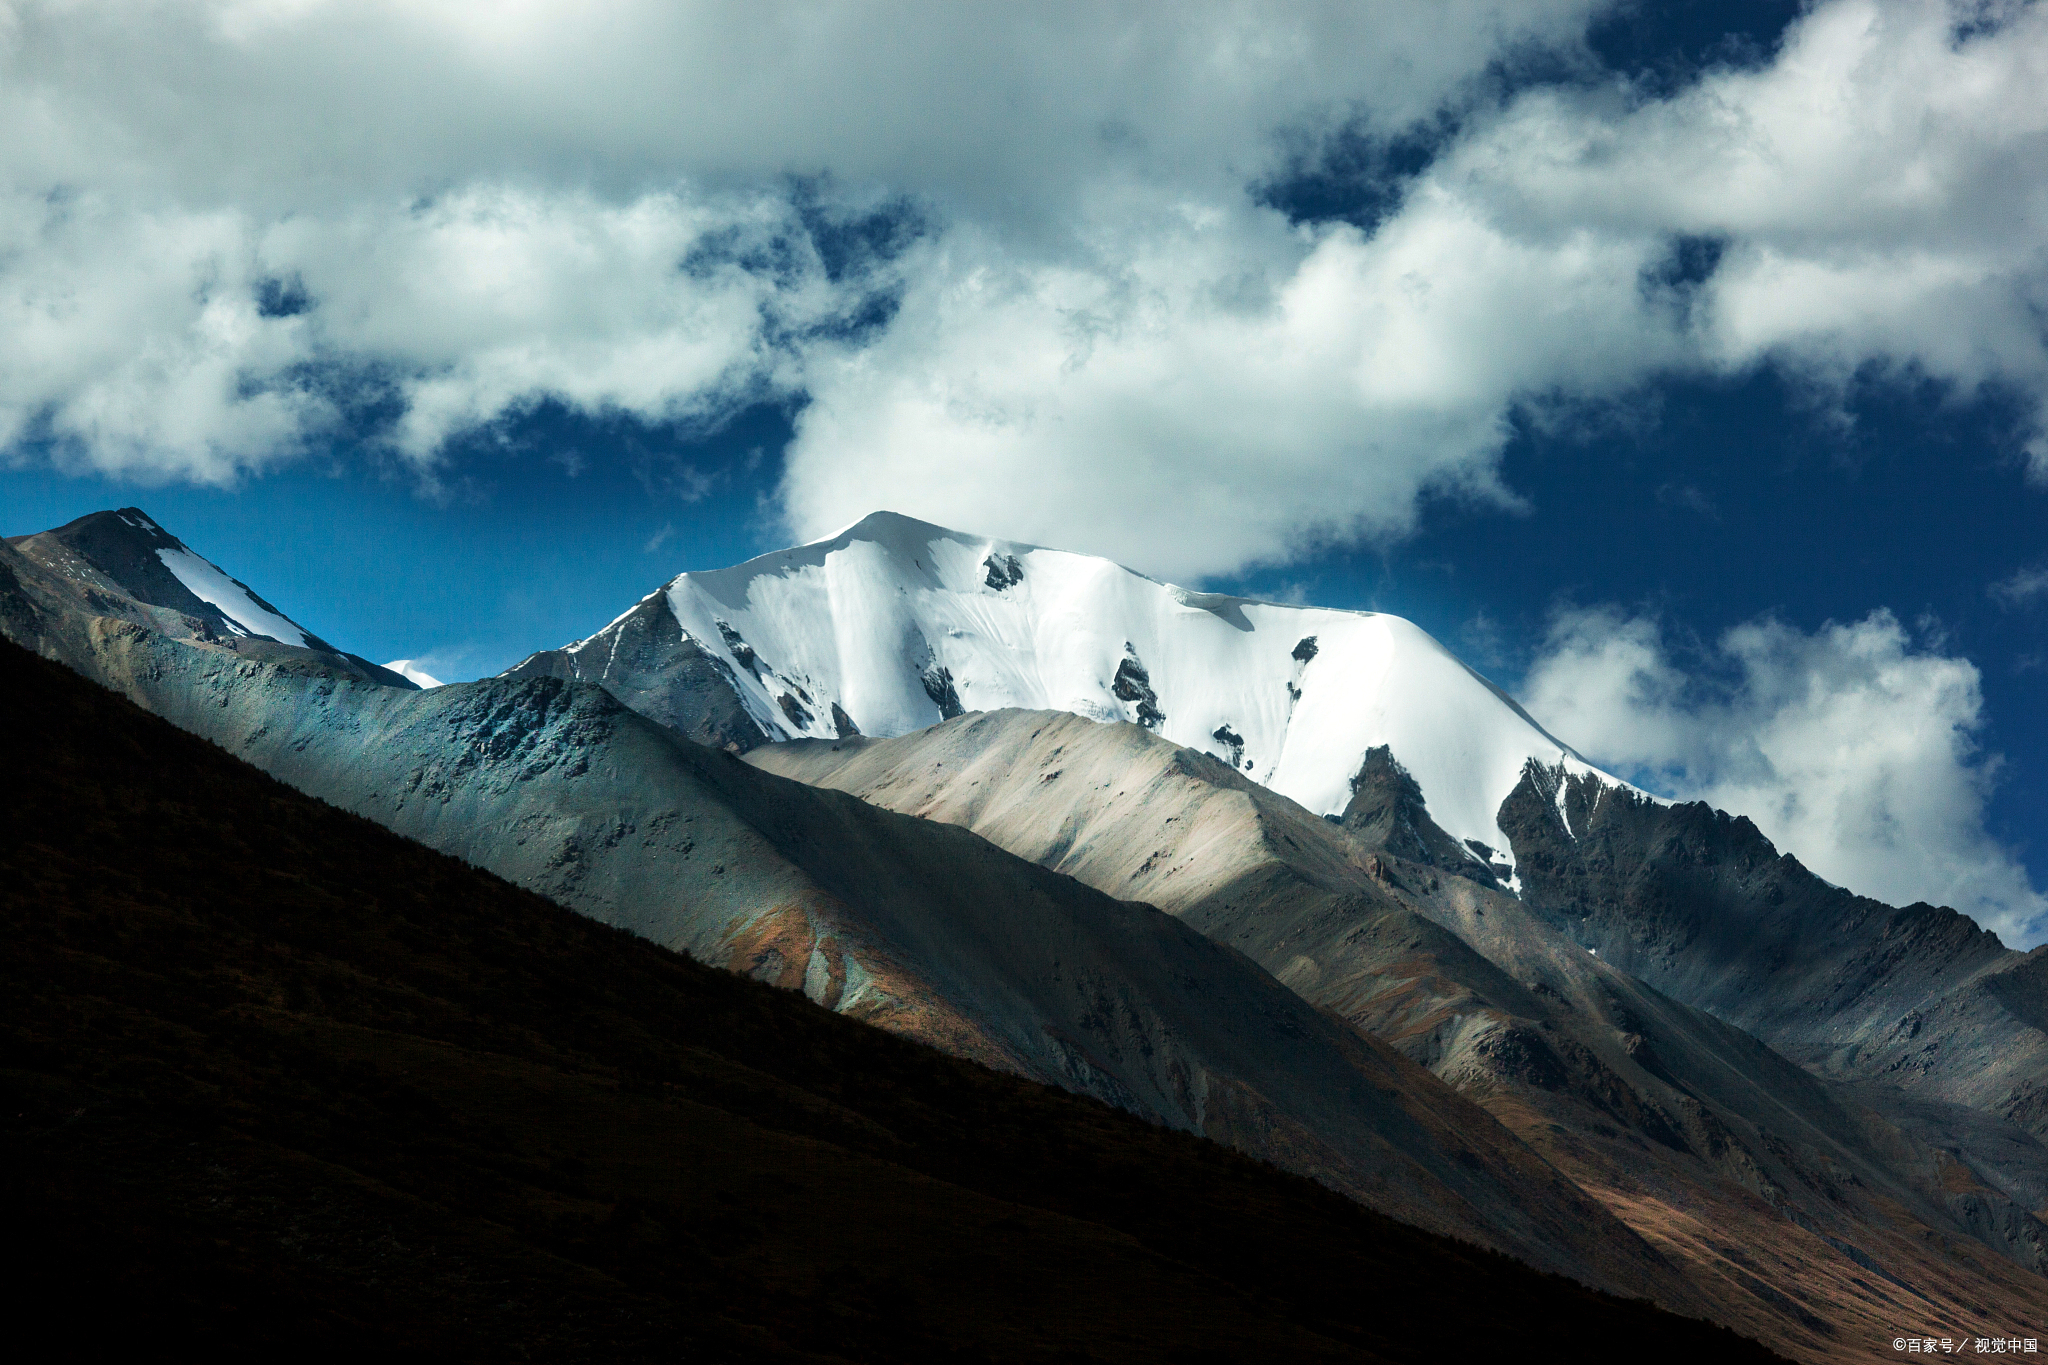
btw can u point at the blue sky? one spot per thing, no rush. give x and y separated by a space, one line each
1680 365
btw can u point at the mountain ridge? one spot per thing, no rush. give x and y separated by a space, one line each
1663 1109
123 565
575 774
560 787
1701 904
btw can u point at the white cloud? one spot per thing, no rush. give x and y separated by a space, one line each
1879 189
138 344
1102 339
486 205
2024 586
1001 111
1852 748
129 335
1212 388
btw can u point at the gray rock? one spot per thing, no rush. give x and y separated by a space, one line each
1699 904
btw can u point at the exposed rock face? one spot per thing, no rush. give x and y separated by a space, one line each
1699 904
1700 1137
938 685
122 547
1387 811
742 653
1133 683
1233 744
923 929
645 661
1003 571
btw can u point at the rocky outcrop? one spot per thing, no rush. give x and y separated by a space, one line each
107 566
646 661
1387 812
1133 683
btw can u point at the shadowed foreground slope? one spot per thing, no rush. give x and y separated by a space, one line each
276 1077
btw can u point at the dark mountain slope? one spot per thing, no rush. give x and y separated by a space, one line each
645 661
276 1078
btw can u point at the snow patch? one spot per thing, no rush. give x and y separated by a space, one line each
206 582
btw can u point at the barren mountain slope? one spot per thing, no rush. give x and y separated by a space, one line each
926 930
893 624
1808 1218
123 566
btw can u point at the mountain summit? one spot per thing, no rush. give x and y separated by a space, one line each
894 624
121 565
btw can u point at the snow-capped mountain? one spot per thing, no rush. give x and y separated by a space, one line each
895 624
1089 968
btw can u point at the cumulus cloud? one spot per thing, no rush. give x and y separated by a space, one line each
200 344
1232 389
1012 263
471 208
1871 197
1852 747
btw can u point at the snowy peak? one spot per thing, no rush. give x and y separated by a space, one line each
894 624
129 552
124 563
